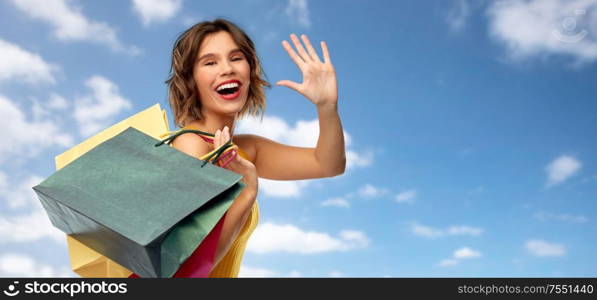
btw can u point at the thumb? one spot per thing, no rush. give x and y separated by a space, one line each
289 84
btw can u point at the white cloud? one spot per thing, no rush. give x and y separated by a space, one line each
70 24
354 159
95 111
29 228
18 65
426 231
302 134
3 181
561 169
430 232
298 10
458 256
336 274
19 265
156 10
465 252
253 272
250 272
464 230
295 274
458 15
370 191
448 262
543 249
270 237
282 188
25 137
57 102
354 239
20 195
271 127
338 202
545 27
406 196
51 108
545 216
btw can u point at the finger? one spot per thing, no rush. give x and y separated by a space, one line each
290 84
217 139
227 160
299 47
326 53
226 135
297 59
223 137
310 49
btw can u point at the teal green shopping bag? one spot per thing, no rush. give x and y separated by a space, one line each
145 207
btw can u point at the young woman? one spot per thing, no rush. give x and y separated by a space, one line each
216 78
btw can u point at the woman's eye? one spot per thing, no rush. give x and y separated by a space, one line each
237 58
210 63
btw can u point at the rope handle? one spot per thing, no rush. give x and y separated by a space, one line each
226 150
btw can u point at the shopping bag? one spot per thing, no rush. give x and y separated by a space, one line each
133 202
89 263
85 261
200 263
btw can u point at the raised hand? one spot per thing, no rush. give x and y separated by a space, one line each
238 164
319 78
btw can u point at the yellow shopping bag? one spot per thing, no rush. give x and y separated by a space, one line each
85 261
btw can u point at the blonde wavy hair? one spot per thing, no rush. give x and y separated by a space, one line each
183 94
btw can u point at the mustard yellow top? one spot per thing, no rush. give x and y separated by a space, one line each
229 266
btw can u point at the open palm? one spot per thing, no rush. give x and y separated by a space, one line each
319 78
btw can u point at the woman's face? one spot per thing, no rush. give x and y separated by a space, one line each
222 74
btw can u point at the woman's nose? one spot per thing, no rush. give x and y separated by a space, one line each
227 67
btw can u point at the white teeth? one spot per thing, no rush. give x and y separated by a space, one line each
227 86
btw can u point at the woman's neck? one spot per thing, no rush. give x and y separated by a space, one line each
211 122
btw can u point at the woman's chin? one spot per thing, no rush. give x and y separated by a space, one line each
231 110
229 107
233 106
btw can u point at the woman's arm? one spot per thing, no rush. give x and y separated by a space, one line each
236 217
281 162
238 212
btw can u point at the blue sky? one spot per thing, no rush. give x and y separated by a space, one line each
469 129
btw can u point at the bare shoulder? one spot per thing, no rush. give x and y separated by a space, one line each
247 142
191 144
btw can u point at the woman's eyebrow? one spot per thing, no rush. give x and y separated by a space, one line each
233 51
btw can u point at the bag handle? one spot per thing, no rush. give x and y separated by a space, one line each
208 137
215 155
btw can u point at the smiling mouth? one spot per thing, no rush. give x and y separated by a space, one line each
228 91
228 88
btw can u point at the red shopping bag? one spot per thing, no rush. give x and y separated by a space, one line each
200 263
